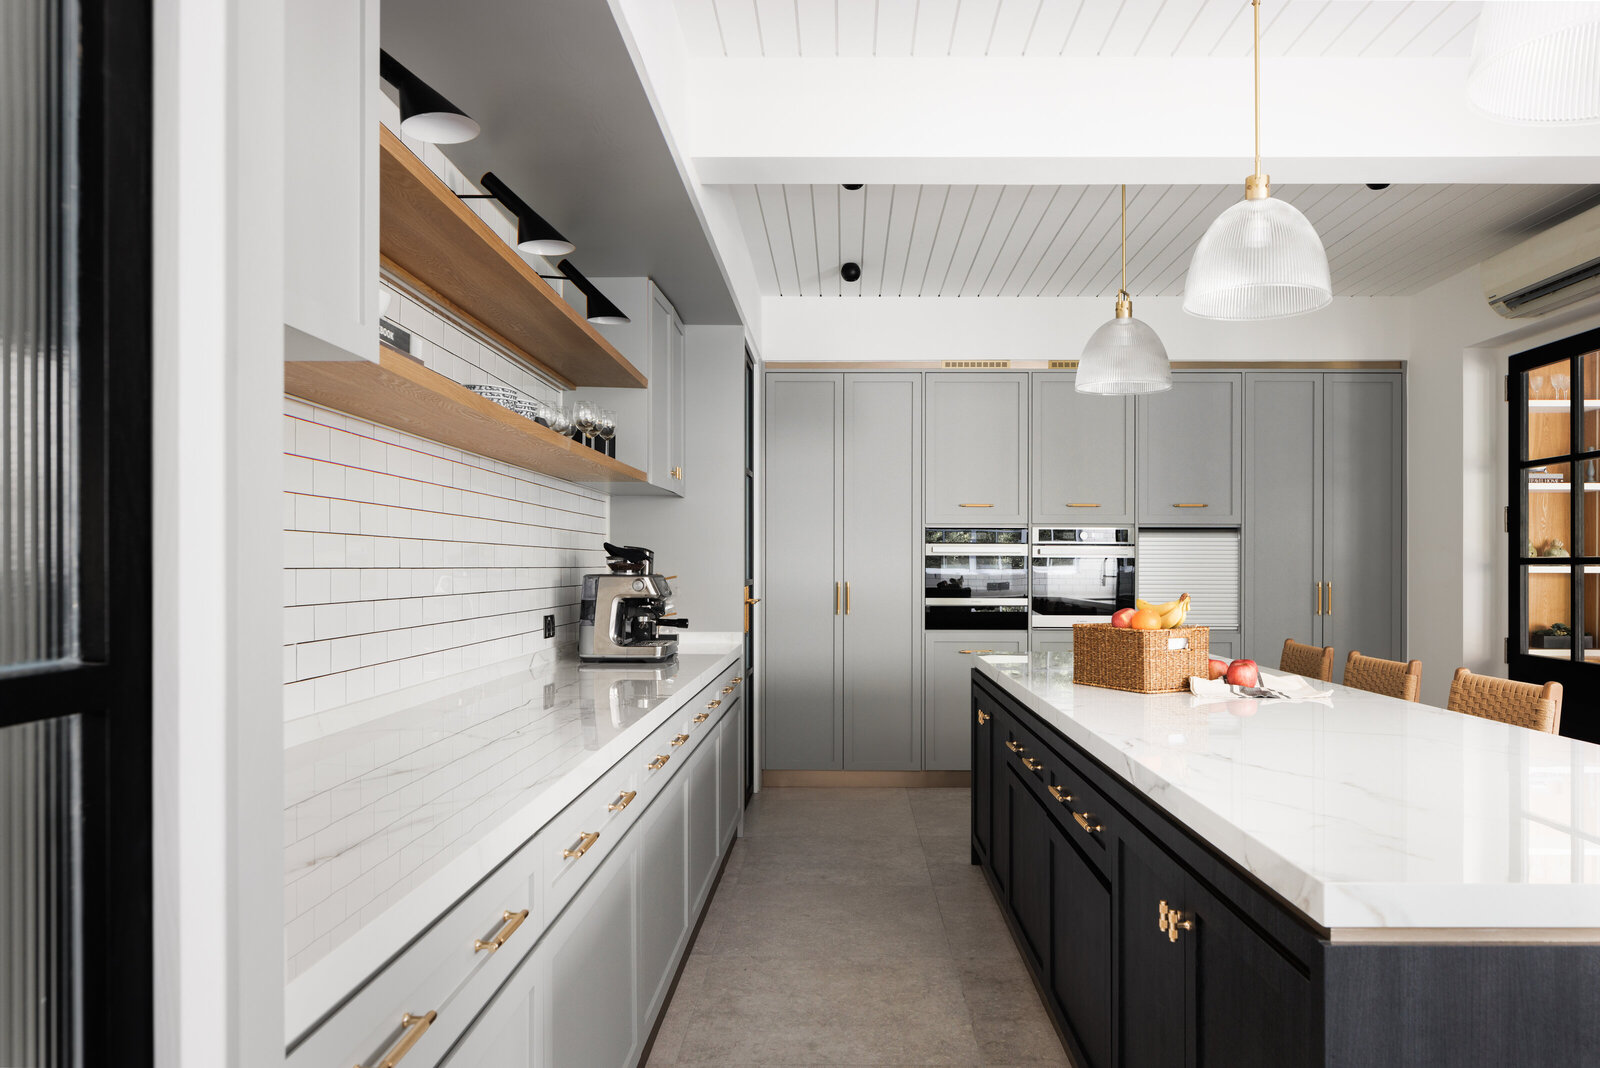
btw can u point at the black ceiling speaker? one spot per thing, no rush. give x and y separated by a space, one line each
1377 185
852 186
850 272
424 112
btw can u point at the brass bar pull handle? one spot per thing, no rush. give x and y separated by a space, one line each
1014 747
512 921
679 740
726 690
1060 795
1083 504
978 652
1191 506
624 799
581 846
983 717
415 1027
1329 612
1319 598
974 506
737 679
1032 764
702 717
847 598
715 702
835 598
1083 819
659 762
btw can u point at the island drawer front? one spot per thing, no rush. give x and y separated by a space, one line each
431 974
1082 811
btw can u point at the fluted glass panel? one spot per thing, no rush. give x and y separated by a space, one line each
1124 356
41 814
1260 259
1537 63
38 333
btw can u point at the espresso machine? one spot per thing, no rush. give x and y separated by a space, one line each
623 610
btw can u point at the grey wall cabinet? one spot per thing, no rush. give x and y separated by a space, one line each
977 448
843 594
1190 444
1082 460
947 657
1324 523
650 421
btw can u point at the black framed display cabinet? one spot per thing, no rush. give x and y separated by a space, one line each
1554 523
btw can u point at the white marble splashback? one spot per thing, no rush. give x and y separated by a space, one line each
1362 811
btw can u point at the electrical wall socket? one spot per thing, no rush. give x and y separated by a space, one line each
549 626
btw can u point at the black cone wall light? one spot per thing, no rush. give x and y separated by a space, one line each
600 311
424 112
535 235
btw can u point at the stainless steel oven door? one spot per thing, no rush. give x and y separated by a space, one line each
1079 585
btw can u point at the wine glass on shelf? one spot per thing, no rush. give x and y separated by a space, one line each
560 421
1561 382
586 417
607 428
1535 386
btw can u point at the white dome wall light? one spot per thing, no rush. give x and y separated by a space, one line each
1261 258
1124 356
1537 64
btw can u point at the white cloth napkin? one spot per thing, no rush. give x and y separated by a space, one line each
1289 687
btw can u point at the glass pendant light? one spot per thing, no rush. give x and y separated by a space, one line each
1261 258
1124 355
1537 63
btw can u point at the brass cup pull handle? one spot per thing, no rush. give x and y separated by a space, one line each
1191 506
512 921
1032 764
977 652
1014 747
415 1027
715 702
974 506
679 740
983 717
581 846
702 717
1060 795
624 799
1083 819
659 762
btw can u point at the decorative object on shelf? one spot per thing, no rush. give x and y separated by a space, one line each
535 235
599 310
504 396
424 113
1124 355
1537 63
586 417
1261 258
608 431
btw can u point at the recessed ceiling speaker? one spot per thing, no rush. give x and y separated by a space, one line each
850 272
852 186
1377 185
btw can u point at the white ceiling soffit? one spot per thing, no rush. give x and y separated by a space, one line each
776 29
1019 240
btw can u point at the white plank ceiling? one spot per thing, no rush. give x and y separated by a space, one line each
1152 28
1016 240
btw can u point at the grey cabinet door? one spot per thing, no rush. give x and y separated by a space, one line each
947 712
1364 499
977 448
1282 541
704 849
802 720
730 773
882 572
1083 450
663 914
592 1011
661 415
677 476
1189 451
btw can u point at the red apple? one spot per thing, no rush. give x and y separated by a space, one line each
1122 617
1243 673
1216 668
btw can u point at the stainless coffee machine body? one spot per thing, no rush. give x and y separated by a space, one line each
621 616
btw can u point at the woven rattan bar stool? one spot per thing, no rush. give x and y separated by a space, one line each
1312 661
1388 677
1522 704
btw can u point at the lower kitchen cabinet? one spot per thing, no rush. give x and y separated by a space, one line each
1080 945
946 704
592 980
704 844
664 901
1225 645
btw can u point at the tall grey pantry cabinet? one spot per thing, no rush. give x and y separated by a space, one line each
843 588
1324 521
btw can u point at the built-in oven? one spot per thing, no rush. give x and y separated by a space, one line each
975 578
1080 574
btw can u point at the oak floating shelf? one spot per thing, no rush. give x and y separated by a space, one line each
401 393
429 238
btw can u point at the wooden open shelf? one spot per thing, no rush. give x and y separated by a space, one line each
433 241
399 392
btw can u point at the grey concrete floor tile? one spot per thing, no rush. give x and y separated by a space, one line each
833 1012
834 859
1008 1020
831 922
803 811
948 847
972 922
942 811
680 1012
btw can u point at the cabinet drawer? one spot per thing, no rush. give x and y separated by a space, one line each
1082 812
441 972
575 842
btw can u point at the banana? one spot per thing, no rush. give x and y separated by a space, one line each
1172 613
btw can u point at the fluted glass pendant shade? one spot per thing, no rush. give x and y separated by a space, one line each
1260 259
1537 63
1124 356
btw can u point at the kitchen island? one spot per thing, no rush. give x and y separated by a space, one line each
1349 881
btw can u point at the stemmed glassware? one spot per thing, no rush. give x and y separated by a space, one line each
607 428
1561 382
587 419
560 421
1536 386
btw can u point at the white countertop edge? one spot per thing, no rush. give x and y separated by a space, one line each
1365 906
354 961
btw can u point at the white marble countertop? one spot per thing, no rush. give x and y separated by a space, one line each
396 806
1362 811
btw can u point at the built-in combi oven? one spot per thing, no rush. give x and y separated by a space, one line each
1080 574
975 578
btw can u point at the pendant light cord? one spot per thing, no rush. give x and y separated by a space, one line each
1255 7
1124 290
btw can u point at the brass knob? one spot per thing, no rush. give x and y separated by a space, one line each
983 717
511 920
1060 795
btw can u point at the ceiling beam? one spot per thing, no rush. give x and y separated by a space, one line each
1102 120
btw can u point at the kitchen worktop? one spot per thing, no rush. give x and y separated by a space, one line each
1363 812
396 806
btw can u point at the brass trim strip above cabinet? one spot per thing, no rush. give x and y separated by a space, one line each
784 366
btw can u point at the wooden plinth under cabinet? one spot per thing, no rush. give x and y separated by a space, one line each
431 240
399 392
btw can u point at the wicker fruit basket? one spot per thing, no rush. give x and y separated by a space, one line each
1140 661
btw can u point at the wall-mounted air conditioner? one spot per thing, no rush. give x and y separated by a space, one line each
1547 271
